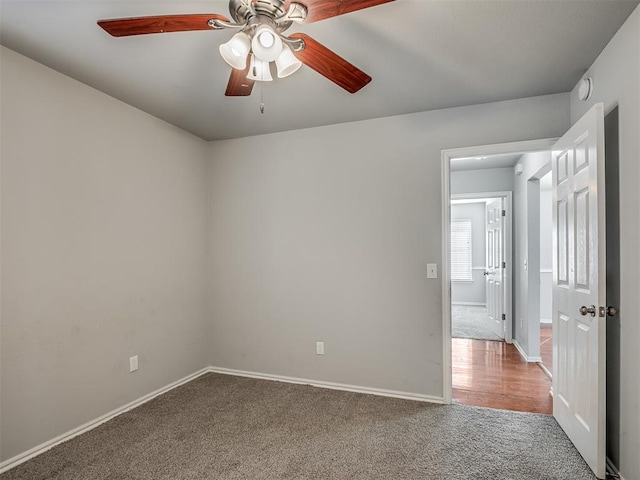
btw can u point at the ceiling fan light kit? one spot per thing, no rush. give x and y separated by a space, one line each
259 70
235 51
266 45
287 63
261 39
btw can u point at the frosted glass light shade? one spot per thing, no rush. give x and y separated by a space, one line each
266 44
235 51
259 70
287 62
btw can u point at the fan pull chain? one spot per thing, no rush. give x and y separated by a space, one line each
261 99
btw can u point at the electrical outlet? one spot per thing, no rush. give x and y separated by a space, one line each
133 363
319 348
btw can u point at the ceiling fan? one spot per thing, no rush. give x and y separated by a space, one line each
260 39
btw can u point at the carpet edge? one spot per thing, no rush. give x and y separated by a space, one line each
330 385
96 422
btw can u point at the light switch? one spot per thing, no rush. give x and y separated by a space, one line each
432 270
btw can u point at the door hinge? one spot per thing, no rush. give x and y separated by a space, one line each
504 316
504 213
504 264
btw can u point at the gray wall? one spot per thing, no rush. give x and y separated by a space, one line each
546 263
482 180
473 292
526 206
616 75
103 245
325 233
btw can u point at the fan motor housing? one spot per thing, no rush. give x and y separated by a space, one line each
241 13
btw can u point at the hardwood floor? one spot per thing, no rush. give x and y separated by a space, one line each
493 374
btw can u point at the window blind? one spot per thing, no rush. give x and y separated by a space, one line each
461 250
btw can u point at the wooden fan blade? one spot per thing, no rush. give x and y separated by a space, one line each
330 65
239 85
321 9
124 27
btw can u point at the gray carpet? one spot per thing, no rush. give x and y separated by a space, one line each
471 321
224 427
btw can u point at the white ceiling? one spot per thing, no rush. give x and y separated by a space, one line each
422 55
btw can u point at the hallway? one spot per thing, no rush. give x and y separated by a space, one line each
493 374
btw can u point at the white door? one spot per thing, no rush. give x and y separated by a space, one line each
579 281
494 274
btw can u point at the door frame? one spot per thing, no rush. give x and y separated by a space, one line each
446 156
507 205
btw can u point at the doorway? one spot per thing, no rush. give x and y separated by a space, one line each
579 266
481 241
483 371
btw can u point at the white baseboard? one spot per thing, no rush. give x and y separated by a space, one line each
330 385
546 321
526 357
469 304
35 451
546 370
613 470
